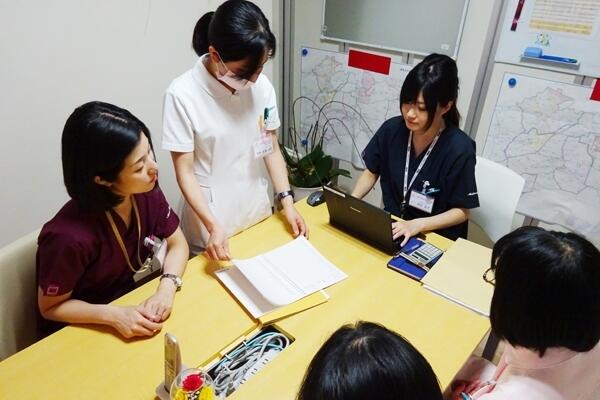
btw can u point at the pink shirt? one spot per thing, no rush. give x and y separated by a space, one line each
561 374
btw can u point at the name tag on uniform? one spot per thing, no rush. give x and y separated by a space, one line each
153 264
149 271
421 201
263 146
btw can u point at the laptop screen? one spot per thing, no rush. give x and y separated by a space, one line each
360 219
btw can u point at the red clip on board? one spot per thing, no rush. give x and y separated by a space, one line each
369 62
596 91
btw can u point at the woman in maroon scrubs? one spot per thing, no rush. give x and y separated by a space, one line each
99 244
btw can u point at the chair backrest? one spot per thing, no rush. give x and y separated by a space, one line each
18 295
499 189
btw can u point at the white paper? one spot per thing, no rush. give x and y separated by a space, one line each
578 17
290 272
243 290
279 277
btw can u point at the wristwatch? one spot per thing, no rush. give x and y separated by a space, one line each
176 280
283 195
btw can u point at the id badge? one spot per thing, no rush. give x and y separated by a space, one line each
421 201
148 271
263 146
153 264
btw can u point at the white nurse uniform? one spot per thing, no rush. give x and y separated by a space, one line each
202 116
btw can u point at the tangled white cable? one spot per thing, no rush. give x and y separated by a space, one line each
245 360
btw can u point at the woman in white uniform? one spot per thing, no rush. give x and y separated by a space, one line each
219 123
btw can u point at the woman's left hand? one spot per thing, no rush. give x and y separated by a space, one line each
407 229
295 220
157 307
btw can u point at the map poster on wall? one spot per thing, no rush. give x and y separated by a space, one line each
549 132
351 103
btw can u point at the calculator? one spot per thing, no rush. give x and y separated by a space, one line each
424 256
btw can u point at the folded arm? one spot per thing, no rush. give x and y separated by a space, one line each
128 321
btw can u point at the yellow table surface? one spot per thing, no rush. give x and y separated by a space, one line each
91 362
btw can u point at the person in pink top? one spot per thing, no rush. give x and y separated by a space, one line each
546 306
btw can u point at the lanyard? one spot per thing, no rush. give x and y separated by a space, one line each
406 184
143 267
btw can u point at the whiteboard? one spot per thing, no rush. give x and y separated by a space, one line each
417 27
568 31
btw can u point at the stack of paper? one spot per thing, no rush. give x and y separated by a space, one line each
458 276
280 277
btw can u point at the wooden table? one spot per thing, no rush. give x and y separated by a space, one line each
91 362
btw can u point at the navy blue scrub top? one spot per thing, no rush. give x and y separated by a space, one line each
450 169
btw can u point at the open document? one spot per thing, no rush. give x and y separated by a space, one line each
279 277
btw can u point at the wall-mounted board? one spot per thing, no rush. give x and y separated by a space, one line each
416 27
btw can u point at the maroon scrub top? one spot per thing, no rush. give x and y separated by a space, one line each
78 251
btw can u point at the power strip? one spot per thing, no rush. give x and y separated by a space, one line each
260 363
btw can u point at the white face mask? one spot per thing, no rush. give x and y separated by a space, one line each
232 80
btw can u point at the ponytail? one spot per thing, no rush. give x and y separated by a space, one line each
452 116
200 37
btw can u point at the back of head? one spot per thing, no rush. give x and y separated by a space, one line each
96 139
547 290
238 30
368 361
436 77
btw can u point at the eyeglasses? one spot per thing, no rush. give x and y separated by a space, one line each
489 276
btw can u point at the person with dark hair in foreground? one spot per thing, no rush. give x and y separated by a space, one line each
546 306
219 123
425 163
96 248
368 361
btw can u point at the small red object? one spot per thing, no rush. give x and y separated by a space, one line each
192 382
369 62
596 91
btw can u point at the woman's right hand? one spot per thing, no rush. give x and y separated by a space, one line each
218 244
131 321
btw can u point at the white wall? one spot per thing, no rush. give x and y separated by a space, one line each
58 54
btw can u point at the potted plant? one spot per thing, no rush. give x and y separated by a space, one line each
308 166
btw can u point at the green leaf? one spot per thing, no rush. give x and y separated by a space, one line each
338 171
312 170
288 158
323 168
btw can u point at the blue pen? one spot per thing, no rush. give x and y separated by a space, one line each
536 52
465 396
559 59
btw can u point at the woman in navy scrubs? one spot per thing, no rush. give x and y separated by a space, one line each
425 163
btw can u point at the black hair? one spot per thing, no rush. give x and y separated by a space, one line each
368 361
238 30
547 290
437 78
96 140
